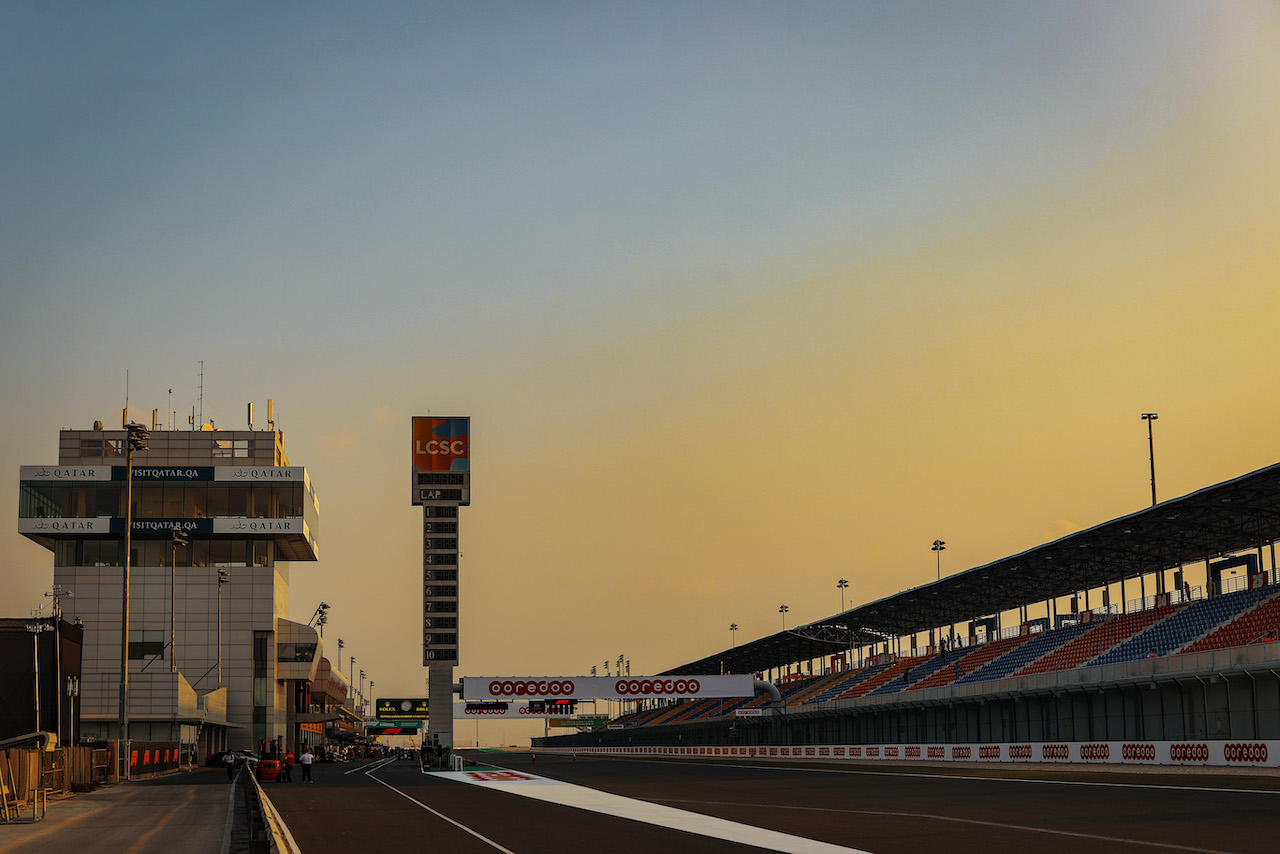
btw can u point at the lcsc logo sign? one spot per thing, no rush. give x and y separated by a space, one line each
441 444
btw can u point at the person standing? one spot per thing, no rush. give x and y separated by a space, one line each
229 759
288 767
305 761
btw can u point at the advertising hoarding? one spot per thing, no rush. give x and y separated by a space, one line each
514 688
401 708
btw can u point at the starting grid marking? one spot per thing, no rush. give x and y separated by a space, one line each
594 800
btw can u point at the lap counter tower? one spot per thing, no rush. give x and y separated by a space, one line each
441 484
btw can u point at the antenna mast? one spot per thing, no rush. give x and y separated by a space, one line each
202 394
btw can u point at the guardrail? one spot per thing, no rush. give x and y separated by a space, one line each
267 832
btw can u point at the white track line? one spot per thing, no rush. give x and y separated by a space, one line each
594 800
437 814
958 820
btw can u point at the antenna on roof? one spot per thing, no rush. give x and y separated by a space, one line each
250 416
202 394
271 414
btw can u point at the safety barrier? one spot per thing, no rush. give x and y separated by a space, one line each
1234 753
149 758
266 830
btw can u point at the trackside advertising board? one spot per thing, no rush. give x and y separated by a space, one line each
511 688
1236 753
401 708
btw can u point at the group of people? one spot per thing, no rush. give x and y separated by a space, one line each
306 760
287 761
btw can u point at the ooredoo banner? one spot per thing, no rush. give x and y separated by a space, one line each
441 444
604 687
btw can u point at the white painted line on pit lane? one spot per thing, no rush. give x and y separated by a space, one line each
594 800
373 766
442 816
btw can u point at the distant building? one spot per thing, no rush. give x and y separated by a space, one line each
239 672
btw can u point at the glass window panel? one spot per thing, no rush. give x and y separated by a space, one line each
219 553
109 552
261 508
173 501
107 501
218 496
37 500
199 553
237 500
150 501
238 551
90 553
261 552
148 643
64 553
155 553
195 501
287 498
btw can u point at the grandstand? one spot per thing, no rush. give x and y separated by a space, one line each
1179 661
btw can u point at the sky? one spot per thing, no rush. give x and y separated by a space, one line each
741 298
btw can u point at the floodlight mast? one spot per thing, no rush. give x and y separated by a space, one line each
1151 451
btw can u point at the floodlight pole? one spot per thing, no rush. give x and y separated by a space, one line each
1151 451
136 440
938 547
179 538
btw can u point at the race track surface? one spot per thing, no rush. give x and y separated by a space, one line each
555 804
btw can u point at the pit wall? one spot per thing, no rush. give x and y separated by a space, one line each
1227 754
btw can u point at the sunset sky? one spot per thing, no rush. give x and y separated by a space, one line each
741 298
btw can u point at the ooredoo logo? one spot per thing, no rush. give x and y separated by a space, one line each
1139 752
531 687
474 712
1095 751
1245 752
1189 752
1054 751
657 687
989 751
1019 751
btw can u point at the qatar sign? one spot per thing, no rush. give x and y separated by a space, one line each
605 687
441 444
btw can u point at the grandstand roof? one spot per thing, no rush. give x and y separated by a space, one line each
1228 518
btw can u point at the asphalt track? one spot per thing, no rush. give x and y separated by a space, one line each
395 807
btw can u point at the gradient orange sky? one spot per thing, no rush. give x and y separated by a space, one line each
741 299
